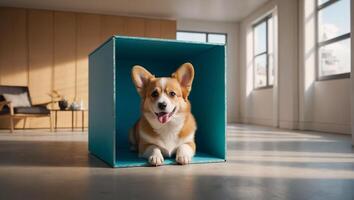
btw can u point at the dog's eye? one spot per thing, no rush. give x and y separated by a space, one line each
155 94
172 94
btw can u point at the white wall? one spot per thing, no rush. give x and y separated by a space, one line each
256 105
296 101
277 106
324 105
232 31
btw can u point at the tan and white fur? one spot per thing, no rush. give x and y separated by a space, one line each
167 126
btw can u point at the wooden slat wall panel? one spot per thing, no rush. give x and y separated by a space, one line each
41 57
112 25
135 27
13 51
40 35
48 50
88 38
168 29
13 47
153 28
65 60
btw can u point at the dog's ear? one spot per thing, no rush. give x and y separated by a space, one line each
141 78
185 76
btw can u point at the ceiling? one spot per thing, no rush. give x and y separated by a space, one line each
213 10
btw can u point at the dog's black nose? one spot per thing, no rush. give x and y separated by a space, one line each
162 105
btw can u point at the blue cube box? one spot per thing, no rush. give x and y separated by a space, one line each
114 103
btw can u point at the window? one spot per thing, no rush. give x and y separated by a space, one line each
191 36
216 38
333 39
263 53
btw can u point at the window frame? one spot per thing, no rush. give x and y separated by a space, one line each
327 42
266 52
206 35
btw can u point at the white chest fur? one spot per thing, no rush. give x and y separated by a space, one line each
168 139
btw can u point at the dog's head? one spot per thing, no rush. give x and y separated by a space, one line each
162 98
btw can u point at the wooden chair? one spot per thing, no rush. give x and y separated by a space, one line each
8 111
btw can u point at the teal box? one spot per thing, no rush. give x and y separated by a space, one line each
114 103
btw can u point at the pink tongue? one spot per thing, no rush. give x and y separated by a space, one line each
163 118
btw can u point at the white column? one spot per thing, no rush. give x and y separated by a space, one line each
288 63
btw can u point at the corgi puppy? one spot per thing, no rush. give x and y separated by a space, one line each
167 126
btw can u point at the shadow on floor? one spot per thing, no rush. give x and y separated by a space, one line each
47 153
203 186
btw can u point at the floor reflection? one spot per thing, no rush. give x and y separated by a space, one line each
263 163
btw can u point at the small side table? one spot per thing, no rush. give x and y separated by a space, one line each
72 117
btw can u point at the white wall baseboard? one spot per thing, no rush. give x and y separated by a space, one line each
325 127
308 126
257 121
294 125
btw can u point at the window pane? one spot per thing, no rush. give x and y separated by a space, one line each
334 58
320 2
334 20
217 38
270 70
260 38
260 66
270 51
194 37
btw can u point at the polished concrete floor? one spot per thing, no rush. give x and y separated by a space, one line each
263 163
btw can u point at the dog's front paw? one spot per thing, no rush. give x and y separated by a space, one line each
184 154
156 160
183 159
153 155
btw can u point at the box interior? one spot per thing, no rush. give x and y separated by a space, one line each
162 58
